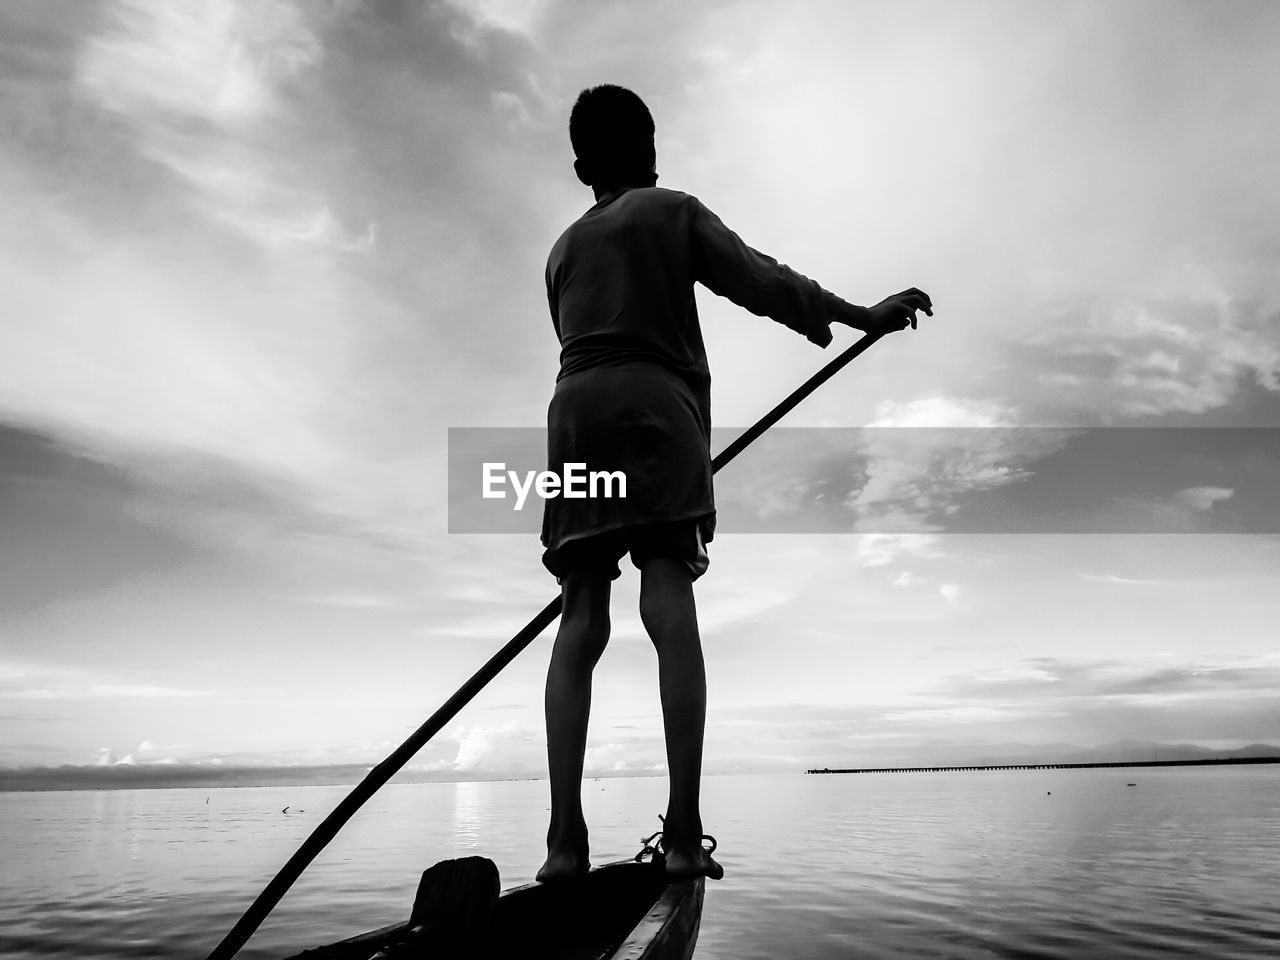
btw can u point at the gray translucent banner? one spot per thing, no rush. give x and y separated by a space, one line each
921 479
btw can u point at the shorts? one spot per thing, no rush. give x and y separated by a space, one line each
682 540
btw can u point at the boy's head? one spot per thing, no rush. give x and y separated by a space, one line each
612 135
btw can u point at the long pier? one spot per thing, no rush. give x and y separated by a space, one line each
1055 766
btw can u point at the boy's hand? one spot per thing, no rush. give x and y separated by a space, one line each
896 312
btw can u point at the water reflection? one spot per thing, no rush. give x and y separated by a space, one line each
468 813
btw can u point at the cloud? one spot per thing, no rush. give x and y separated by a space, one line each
1203 498
288 361
925 454
1112 578
55 682
1187 511
939 411
904 475
136 691
900 473
508 747
1047 699
106 758
633 755
219 61
1052 681
355 601
102 691
518 16
881 549
206 87
949 592
953 715
1141 357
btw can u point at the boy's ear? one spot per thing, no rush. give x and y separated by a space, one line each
583 170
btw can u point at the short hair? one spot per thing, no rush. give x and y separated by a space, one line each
611 131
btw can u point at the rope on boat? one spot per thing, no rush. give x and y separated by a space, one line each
274 891
654 843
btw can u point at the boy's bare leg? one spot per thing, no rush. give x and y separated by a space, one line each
670 617
584 632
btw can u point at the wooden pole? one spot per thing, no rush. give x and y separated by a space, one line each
752 433
271 895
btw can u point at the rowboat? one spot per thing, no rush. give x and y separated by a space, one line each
626 910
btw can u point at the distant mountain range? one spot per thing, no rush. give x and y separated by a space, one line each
134 776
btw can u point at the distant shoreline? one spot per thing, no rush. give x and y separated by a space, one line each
169 777
1053 766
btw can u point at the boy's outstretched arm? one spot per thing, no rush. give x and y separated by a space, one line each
755 281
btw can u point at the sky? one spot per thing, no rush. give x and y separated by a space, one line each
259 258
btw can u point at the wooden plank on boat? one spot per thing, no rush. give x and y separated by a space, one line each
669 931
619 911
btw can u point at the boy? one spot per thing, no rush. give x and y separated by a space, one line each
634 395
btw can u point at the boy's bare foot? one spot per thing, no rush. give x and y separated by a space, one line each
567 853
686 860
563 864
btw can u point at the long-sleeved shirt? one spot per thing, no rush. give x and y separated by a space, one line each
620 288
620 285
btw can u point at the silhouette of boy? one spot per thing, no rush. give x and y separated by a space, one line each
634 395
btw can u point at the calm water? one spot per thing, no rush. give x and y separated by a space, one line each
998 864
